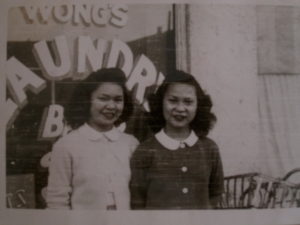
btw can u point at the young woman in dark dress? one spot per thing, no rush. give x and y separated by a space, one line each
179 167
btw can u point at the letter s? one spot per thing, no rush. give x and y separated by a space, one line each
119 15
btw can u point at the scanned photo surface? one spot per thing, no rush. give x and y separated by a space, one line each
49 50
152 106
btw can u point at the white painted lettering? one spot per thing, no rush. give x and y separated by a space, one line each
119 15
52 122
120 56
143 75
88 53
100 15
63 13
83 12
30 12
20 78
11 112
45 12
62 55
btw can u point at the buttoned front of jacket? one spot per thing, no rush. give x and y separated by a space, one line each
90 170
185 178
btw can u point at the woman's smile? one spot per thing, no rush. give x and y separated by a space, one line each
179 117
108 115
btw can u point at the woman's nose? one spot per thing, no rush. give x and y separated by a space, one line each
180 107
111 104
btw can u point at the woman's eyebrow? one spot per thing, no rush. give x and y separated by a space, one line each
171 95
189 97
108 95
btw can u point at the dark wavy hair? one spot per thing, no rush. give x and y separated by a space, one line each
204 118
77 111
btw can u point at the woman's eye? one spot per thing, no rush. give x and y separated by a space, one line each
119 100
188 102
172 100
102 98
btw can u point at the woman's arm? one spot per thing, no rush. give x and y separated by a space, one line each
60 178
216 186
139 164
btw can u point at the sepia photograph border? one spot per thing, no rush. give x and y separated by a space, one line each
166 217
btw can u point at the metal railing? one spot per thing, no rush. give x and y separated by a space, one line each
255 190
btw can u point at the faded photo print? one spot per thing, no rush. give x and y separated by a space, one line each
114 106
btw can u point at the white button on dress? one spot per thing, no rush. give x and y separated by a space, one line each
182 145
184 169
185 190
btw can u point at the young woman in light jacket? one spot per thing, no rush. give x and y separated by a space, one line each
89 166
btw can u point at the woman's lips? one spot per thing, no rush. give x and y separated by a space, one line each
109 115
179 117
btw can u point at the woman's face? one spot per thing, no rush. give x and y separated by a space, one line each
107 104
179 106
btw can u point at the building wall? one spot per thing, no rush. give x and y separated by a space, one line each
224 60
278 31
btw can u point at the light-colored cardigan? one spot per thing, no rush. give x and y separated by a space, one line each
90 170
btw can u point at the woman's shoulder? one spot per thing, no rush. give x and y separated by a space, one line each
208 143
69 140
149 145
128 138
145 151
148 142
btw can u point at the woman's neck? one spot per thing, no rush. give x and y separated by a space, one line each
100 128
177 134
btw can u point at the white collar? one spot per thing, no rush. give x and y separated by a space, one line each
173 144
94 135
